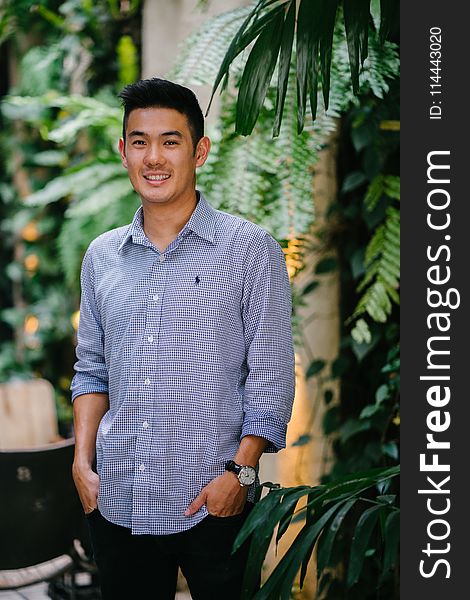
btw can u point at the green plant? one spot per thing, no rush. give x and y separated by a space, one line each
94 185
381 261
272 25
265 180
364 233
327 507
57 53
276 187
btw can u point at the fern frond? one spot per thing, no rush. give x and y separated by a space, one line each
392 187
202 53
374 248
380 186
79 181
77 233
375 302
263 179
382 277
103 196
361 332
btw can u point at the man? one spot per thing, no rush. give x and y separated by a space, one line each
185 370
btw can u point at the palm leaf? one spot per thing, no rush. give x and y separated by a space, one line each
362 533
326 542
392 539
309 521
323 503
258 72
326 48
356 21
388 12
249 30
285 521
261 524
308 39
284 66
281 579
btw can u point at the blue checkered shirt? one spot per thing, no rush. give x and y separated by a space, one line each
194 347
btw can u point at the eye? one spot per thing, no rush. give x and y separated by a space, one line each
171 143
138 143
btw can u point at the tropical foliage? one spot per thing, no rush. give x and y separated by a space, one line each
63 59
276 185
326 509
274 26
76 189
364 426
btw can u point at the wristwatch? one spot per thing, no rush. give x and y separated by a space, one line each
246 475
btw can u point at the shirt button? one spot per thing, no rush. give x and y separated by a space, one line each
142 468
147 381
162 257
155 297
145 424
150 338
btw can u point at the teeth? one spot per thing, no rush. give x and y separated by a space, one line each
156 177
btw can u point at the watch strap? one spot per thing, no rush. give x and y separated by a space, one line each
232 466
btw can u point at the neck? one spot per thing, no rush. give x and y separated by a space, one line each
162 222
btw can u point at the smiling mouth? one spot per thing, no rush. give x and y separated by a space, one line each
156 177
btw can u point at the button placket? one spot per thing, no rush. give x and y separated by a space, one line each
148 348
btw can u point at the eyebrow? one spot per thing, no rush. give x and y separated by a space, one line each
137 133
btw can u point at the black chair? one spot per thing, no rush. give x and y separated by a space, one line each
43 532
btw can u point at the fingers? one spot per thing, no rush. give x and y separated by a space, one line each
89 504
89 499
87 484
196 504
223 497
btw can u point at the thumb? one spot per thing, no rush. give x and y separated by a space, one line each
196 504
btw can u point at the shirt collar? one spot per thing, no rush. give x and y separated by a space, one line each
201 222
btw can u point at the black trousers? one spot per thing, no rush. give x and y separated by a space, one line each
145 567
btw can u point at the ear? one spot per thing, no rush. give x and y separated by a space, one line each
202 151
122 152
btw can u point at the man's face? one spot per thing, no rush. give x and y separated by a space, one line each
159 155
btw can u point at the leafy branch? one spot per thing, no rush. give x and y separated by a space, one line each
273 27
382 261
325 511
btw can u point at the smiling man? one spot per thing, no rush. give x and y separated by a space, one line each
185 367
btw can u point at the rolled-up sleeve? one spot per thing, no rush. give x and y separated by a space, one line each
266 311
91 374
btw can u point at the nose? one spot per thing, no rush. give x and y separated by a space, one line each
154 155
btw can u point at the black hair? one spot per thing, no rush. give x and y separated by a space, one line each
160 93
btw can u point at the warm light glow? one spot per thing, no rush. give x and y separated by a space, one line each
31 262
293 254
31 325
75 318
64 383
390 125
30 232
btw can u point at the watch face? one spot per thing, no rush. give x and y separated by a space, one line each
247 475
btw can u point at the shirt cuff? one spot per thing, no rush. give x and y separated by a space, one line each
268 428
90 386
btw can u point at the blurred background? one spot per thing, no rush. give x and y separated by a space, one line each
329 195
